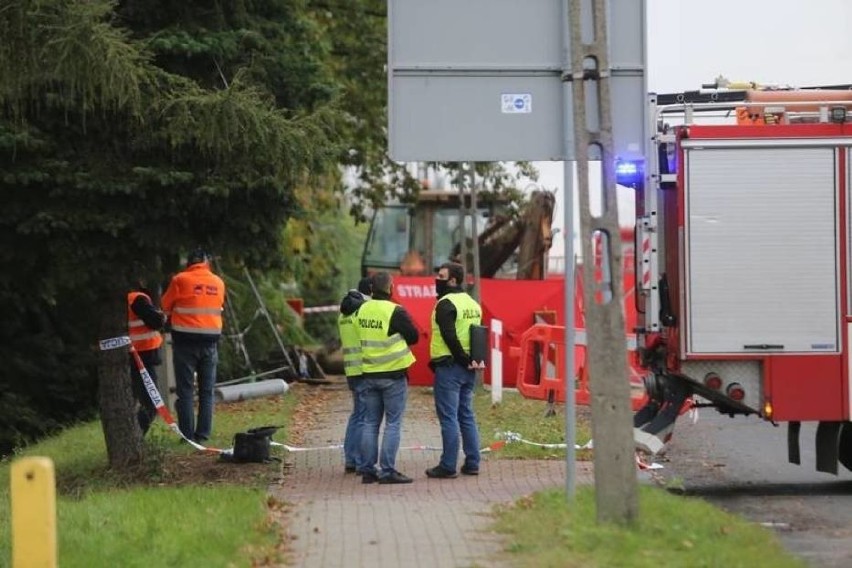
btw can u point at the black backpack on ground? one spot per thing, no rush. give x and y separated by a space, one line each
253 446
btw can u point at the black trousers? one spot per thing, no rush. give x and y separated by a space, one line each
147 411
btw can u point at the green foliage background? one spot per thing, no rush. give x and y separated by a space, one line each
132 131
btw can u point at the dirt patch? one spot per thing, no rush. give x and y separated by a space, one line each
203 468
208 469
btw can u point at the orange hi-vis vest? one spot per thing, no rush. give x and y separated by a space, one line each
143 337
194 301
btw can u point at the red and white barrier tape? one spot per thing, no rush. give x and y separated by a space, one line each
163 411
511 437
340 447
643 465
320 309
151 389
297 449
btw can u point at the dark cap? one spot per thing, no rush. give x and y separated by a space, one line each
196 256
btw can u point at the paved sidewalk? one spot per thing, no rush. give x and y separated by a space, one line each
336 521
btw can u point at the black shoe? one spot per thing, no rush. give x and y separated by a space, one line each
439 472
470 470
369 477
349 469
395 477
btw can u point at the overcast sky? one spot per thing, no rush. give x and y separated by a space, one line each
787 42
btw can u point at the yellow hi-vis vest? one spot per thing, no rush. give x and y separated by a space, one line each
468 313
348 329
380 352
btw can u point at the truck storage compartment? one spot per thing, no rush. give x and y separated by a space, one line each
761 249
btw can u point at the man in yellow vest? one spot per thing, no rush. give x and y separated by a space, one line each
385 331
193 302
351 345
449 357
144 322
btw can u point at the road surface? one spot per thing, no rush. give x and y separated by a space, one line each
741 464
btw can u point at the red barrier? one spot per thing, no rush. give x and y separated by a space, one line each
542 350
513 302
517 304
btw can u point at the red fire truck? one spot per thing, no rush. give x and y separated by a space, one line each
743 262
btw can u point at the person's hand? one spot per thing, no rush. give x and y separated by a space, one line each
476 365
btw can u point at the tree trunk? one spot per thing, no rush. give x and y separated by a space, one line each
115 398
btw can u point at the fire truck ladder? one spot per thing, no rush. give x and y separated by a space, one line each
767 104
654 422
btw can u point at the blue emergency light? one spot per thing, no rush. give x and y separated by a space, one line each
629 173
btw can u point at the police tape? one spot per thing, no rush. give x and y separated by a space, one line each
153 393
163 411
151 388
114 342
643 465
513 437
498 445
289 448
506 438
320 309
310 449
161 407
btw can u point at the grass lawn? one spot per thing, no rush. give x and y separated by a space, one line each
179 508
529 419
545 531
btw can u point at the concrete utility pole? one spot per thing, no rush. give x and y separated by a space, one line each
612 417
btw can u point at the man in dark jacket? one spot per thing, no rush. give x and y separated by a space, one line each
385 331
351 345
449 356
144 322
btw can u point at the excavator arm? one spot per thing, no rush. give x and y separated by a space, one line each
530 234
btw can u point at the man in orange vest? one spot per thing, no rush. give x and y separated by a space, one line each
193 302
144 322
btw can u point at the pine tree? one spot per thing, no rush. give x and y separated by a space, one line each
108 157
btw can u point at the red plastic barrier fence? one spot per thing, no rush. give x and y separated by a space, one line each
542 362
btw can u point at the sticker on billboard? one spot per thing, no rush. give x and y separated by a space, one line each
516 103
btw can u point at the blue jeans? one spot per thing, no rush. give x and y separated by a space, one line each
354 429
190 358
454 406
382 398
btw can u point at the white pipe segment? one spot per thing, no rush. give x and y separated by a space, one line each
235 393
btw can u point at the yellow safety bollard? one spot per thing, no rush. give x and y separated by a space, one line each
33 513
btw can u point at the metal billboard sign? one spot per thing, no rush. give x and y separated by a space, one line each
481 80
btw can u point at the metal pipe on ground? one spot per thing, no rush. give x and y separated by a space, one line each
236 393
